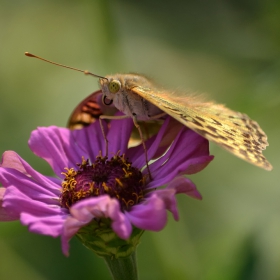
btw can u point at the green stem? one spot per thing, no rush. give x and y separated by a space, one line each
123 268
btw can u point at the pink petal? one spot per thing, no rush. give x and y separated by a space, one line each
136 154
118 135
11 159
14 169
84 211
51 225
6 214
30 196
57 146
90 139
150 215
186 186
177 186
169 199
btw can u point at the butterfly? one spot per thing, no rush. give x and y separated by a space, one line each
137 97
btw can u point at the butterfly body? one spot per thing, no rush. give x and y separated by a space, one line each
126 100
137 97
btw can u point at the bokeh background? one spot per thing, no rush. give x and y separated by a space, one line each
227 49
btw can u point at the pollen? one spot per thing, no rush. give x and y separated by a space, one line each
115 177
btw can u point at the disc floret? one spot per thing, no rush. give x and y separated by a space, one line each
115 177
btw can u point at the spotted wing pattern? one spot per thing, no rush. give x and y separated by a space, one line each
234 131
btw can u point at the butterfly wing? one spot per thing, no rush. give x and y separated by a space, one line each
234 131
89 110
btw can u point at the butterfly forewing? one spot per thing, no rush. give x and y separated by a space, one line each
234 131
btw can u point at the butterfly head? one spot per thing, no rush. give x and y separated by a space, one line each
110 87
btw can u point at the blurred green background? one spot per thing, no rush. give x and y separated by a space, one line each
228 49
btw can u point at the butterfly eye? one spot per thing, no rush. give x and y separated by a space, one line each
114 86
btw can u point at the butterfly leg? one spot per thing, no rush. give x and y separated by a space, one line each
138 128
102 117
158 116
144 145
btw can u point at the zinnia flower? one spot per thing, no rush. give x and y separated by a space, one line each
93 194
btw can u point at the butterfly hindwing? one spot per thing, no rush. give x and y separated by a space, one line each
89 110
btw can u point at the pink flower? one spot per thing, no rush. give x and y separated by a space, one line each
118 188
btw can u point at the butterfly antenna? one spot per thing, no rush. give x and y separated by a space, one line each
58 64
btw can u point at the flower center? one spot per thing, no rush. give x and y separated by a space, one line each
115 177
